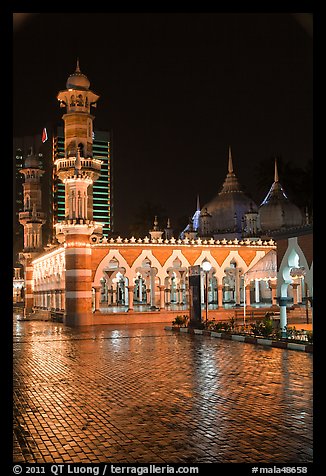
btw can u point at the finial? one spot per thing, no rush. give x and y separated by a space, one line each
77 66
155 223
275 172
198 204
168 225
78 162
230 166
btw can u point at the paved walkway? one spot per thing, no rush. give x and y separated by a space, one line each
140 394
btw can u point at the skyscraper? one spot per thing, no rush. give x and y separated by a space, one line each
102 188
50 145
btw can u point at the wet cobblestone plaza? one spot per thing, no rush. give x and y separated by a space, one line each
142 394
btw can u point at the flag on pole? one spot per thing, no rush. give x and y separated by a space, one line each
44 135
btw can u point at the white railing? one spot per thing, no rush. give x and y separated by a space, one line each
67 163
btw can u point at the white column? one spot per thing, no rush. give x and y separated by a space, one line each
152 285
97 297
220 295
130 298
162 292
237 287
283 316
300 291
140 288
256 290
247 294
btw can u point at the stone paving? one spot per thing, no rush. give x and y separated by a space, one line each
142 394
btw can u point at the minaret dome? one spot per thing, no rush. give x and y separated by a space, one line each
78 80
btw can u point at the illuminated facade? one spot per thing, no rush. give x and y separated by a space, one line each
87 276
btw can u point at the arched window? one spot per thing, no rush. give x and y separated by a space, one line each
80 101
27 204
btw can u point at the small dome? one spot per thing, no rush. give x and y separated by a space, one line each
32 161
276 211
78 80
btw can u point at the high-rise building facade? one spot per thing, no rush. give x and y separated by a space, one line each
49 146
102 188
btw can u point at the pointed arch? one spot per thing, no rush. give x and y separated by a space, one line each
293 257
104 263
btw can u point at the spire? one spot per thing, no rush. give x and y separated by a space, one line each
198 204
230 165
231 183
155 228
168 230
77 66
276 171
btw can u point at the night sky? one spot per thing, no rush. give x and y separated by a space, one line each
176 89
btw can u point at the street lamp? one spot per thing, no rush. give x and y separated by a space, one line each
206 265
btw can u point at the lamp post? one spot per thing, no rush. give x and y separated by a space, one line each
206 265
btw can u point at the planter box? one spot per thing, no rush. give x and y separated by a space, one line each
198 331
293 346
237 337
226 336
183 329
216 334
280 344
264 341
251 340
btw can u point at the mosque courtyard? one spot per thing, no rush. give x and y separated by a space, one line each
142 394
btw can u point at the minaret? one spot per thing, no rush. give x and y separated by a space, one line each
32 219
78 170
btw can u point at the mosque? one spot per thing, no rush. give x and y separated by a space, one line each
259 256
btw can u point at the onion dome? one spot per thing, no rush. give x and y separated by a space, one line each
32 161
78 80
276 211
230 205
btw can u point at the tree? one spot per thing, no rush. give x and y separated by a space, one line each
144 219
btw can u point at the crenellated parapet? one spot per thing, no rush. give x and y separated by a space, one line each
188 242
